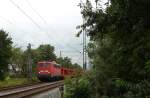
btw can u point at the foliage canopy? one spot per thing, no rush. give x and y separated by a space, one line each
120 47
5 53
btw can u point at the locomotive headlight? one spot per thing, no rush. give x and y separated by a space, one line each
47 71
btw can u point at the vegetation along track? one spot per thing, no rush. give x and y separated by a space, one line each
20 85
23 92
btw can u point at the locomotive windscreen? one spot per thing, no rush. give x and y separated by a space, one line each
43 64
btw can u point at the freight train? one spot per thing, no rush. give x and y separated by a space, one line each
50 70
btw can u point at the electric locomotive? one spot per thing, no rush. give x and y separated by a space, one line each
50 71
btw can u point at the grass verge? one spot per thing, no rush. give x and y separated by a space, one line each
15 81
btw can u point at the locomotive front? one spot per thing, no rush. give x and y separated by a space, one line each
48 71
43 71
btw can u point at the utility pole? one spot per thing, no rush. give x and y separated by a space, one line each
84 40
60 54
29 64
83 52
84 49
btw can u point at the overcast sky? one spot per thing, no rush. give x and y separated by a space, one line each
43 22
46 22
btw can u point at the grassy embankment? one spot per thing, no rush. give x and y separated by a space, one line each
16 81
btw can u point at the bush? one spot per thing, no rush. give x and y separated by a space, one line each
77 88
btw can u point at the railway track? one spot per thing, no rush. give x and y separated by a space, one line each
18 86
26 91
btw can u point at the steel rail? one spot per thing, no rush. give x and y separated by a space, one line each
29 90
19 86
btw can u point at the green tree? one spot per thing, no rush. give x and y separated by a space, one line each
42 53
5 53
66 62
16 60
77 66
121 37
45 52
77 88
24 67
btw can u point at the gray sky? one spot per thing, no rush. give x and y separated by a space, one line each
44 22
57 25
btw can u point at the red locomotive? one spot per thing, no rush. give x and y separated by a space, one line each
48 71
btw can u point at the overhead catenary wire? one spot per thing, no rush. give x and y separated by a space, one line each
73 48
34 22
13 24
6 20
68 45
50 36
36 12
18 7
79 57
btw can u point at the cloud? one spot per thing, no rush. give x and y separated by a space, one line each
61 16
